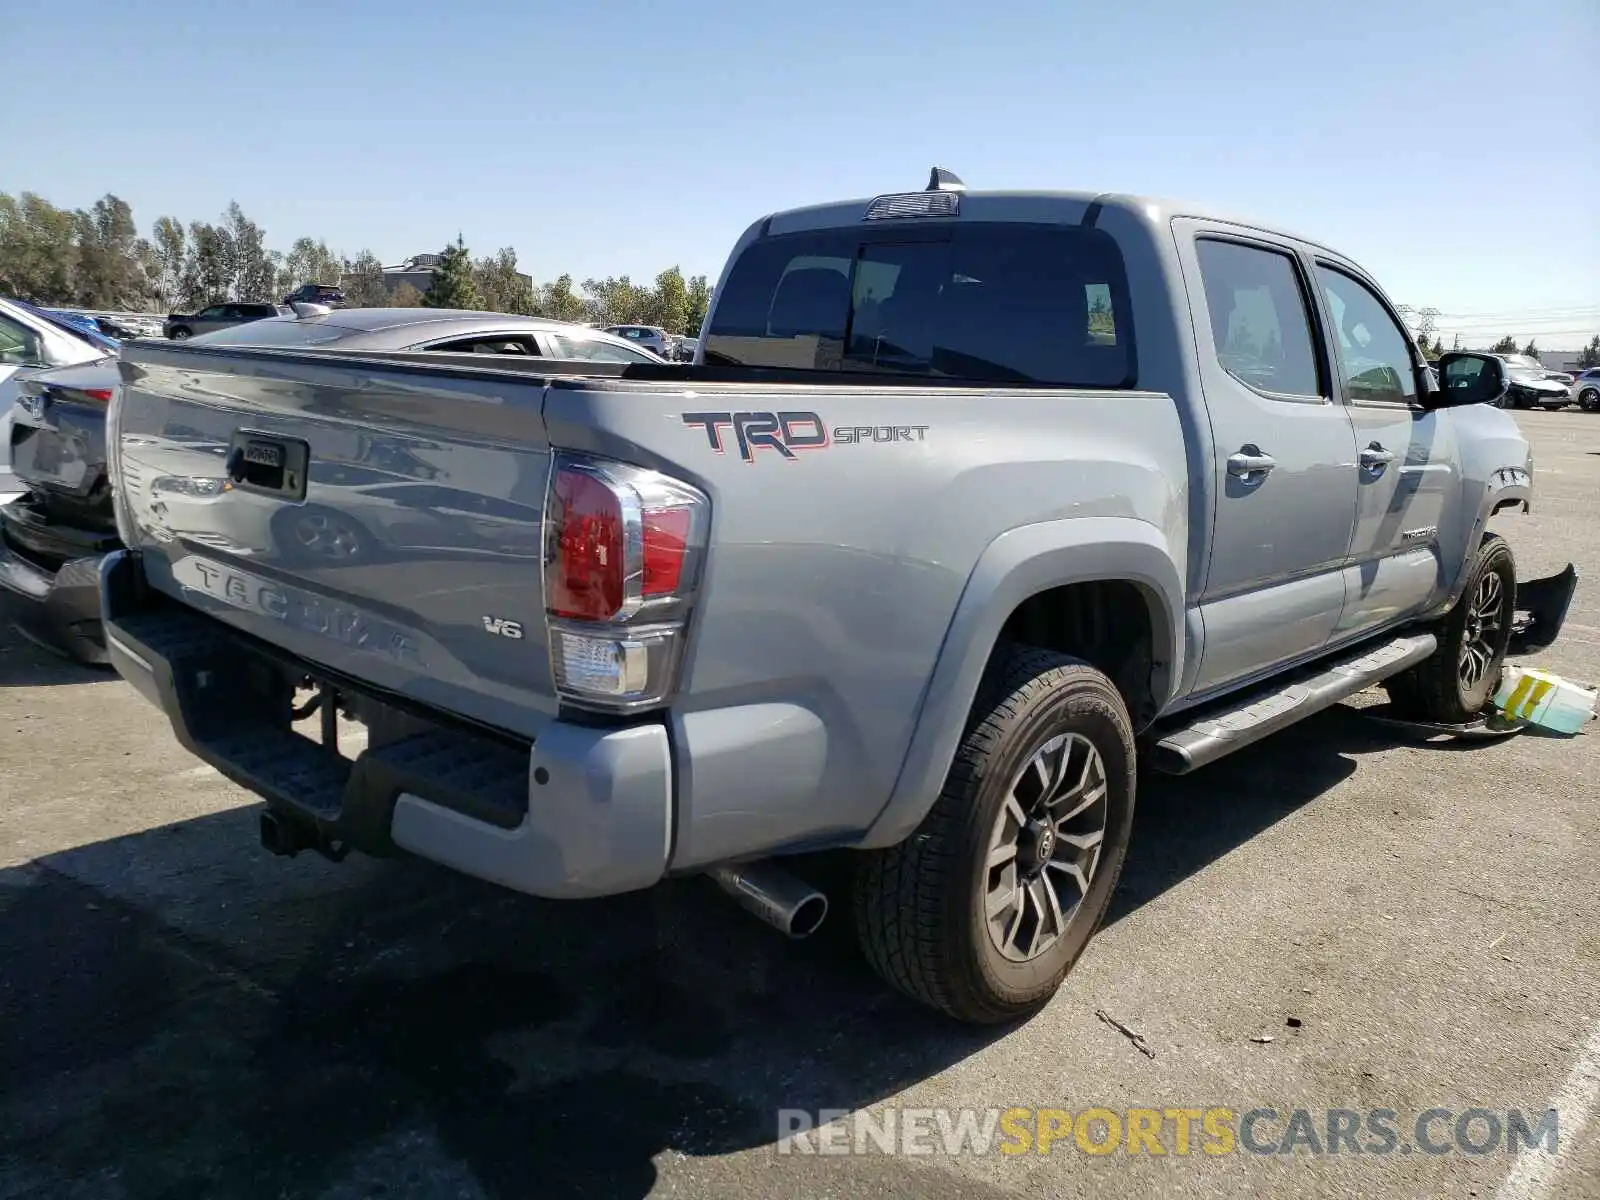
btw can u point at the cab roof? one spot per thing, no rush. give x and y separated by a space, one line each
1025 205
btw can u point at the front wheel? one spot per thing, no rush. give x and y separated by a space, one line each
984 909
1452 685
181 333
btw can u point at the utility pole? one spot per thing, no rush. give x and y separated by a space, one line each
1423 318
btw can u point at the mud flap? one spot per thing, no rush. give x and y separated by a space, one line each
1546 602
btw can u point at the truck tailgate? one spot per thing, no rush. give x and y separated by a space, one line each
387 525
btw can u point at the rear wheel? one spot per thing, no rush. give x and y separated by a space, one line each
1452 685
1589 399
181 333
983 910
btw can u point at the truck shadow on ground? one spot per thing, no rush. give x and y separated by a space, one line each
24 664
184 1016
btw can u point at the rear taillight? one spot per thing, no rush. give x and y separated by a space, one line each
622 563
101 395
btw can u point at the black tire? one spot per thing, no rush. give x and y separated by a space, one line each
181 333
1589 399
1435 690
920 906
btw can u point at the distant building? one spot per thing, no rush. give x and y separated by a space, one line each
418 272
1560 360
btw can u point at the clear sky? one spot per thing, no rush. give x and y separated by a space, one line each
1452 148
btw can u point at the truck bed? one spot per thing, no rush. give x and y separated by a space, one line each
847 515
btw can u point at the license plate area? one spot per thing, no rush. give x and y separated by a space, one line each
269 465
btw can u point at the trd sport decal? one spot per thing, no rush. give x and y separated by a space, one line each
787 432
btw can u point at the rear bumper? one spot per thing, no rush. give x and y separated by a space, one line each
1546 602
581 812
59 607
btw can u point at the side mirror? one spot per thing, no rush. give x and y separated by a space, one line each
1468 379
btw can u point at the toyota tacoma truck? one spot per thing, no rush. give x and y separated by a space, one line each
969 500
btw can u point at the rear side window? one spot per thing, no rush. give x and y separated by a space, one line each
997 303
487 343
1259 323
597 350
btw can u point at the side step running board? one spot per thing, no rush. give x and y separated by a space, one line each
1233 723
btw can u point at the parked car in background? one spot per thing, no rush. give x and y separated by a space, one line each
1527 388
74 323
53 536
657 340
29 340
120 328
315 293
1528 363
179 326
1586 389
442 330
89 326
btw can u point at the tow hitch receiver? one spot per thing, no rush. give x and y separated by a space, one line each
1545 601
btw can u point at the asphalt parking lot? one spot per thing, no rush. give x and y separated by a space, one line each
1341 917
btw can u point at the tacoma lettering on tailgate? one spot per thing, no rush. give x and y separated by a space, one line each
295 608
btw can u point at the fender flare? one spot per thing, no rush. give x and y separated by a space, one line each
1018 564
1507 487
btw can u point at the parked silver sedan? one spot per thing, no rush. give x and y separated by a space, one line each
448 331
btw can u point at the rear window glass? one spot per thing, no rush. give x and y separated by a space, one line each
999 303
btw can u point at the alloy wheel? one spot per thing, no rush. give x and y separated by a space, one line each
1485 619
1045 847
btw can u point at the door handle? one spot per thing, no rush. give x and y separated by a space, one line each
1250 461
1375 457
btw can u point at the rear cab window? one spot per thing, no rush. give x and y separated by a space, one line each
990 302
1261 327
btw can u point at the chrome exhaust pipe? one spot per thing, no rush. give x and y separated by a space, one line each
789 905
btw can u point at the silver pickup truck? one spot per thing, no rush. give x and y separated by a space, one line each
969 499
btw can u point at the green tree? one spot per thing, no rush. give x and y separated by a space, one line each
669 302
209 270
362 281
1591 353
617 300
38 249
1506 345
500 285
308 261
452 285
107 272
697 301
405 296
171 254
254 273
1531 349
1438 347
558 301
